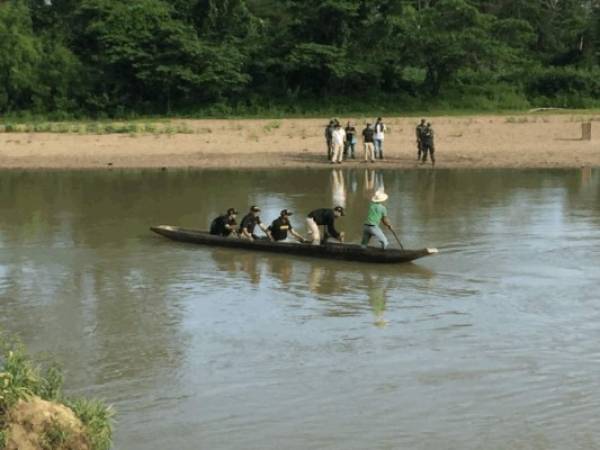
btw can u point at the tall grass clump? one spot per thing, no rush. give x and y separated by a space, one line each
20 379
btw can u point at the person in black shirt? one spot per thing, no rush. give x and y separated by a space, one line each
249 222
324 217
281 226
224 225
350 144
369 139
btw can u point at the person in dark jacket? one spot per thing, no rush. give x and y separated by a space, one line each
281 226
249 223
324 217
224 225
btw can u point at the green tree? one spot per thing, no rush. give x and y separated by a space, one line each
20 56
142 55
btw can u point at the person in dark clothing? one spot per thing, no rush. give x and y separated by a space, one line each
281 226
369 146
249 223
329 138
420 130
428 145
324 217
224 225
350 144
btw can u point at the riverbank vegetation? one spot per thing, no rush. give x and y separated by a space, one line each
34 412
69 59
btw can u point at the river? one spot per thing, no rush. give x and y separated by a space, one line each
491 344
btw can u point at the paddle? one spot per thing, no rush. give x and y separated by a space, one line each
396 236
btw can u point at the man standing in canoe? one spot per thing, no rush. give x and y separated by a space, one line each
324 217
249 222
281 226
377 214
224 225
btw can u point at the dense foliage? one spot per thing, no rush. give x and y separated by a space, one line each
95 57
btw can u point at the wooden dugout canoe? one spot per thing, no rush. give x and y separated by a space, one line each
347 252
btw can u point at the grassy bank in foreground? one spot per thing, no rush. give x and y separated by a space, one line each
34 413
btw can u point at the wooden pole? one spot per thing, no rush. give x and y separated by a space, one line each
586 131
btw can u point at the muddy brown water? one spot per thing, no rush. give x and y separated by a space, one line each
492 344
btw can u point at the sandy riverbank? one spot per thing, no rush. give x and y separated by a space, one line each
523 141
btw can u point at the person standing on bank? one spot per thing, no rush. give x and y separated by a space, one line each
428 145
249 223
338 138
324 217
380 130
350 141
420 130
328 135
224 225
368 140
377 214
280 227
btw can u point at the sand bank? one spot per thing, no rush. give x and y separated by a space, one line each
523 141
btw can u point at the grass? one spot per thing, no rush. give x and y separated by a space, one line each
21 379
132 128
272 126
174 125
55 437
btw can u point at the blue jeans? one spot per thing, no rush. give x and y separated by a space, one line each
379 148
370 231
349 149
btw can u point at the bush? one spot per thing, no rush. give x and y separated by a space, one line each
566 87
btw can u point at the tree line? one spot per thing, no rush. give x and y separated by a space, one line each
113 57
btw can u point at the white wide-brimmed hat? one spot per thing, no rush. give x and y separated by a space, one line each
379 196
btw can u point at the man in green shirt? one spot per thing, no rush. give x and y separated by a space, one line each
377 214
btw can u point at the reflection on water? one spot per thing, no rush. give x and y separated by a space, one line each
495 337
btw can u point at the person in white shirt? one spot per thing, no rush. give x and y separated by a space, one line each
379 137
337 141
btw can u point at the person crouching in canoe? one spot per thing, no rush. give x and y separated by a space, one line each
281 226
224 225
249 223
377 214
324 217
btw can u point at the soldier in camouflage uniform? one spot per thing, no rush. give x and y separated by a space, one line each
428 145
419 131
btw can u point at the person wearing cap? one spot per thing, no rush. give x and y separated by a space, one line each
380 130
324 217
338 137
249 223
420 130
377 214
281 226
225 224
368 140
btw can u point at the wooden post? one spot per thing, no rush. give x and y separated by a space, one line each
586 131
